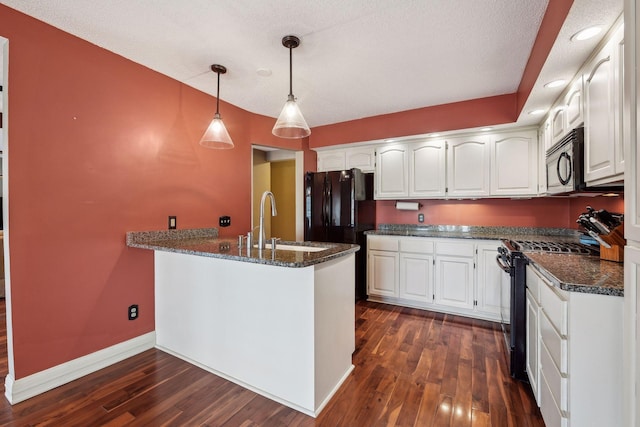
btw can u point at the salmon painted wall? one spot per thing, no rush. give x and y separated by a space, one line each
97 146
541 212
458 115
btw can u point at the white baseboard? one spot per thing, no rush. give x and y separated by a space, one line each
24 388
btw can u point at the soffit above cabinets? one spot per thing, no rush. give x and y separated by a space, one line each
359 58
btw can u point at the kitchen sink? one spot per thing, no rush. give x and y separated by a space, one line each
296 248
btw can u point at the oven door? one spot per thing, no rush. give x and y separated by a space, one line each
560 173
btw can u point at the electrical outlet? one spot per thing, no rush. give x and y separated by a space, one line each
133 312
225 221
173 222
420 217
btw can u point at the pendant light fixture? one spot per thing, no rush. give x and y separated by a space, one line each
291 124
216 135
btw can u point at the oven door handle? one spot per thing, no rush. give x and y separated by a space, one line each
504 267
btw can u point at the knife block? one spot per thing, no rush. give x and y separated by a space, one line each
617 241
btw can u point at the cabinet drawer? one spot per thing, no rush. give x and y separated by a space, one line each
554 305
556 345
417 245
552 416
455 248
533 283
382 243
555 380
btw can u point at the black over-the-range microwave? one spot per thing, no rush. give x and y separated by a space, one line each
565 166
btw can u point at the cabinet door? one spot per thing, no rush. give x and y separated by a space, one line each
331 160
489 283
363 158
382 278
544 142
599 129
391 177
416 277
574 111
533 358
468 166
427 173
454 282
514 164
558 126
618 87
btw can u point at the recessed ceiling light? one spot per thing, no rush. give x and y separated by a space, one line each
555 83
586 33
264 72
486 129
537 112
434 134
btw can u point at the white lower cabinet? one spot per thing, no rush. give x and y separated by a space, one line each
454 281
416 277
533 353
458 276
383 273
489 295
574 355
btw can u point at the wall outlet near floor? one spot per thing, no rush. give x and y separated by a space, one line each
420 217
173 222
225 221
133 312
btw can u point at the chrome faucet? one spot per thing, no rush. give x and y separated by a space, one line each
274 212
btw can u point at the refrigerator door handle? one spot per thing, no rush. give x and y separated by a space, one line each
325 203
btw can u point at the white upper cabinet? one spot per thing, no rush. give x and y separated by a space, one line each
392 172
558 124
468 166
363 158
427 171
514 164
574 105
602 109
339 159
331 160
544 143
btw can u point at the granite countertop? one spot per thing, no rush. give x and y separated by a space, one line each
573 273
580 273
477 232
205 242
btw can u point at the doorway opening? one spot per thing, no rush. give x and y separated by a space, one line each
281 172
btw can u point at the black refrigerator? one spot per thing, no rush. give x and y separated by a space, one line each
339 207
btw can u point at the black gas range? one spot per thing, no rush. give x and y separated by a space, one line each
512 260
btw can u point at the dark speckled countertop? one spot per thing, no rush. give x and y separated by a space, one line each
580 273
205 242
573 273
477 232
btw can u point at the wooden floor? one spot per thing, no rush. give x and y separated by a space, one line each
412 368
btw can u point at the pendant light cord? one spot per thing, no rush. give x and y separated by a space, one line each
218 96
290 71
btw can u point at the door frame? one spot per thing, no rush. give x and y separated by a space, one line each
275 154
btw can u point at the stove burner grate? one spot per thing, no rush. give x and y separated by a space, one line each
558 247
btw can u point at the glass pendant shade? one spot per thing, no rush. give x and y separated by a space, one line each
216 135
291 123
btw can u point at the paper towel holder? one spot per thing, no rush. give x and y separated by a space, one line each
408 206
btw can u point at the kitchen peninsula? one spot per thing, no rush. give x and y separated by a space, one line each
280 323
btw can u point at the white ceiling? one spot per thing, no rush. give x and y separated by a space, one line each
357 58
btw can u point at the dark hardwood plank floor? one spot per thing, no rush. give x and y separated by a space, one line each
412 368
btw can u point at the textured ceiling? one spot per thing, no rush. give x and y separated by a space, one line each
357 58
